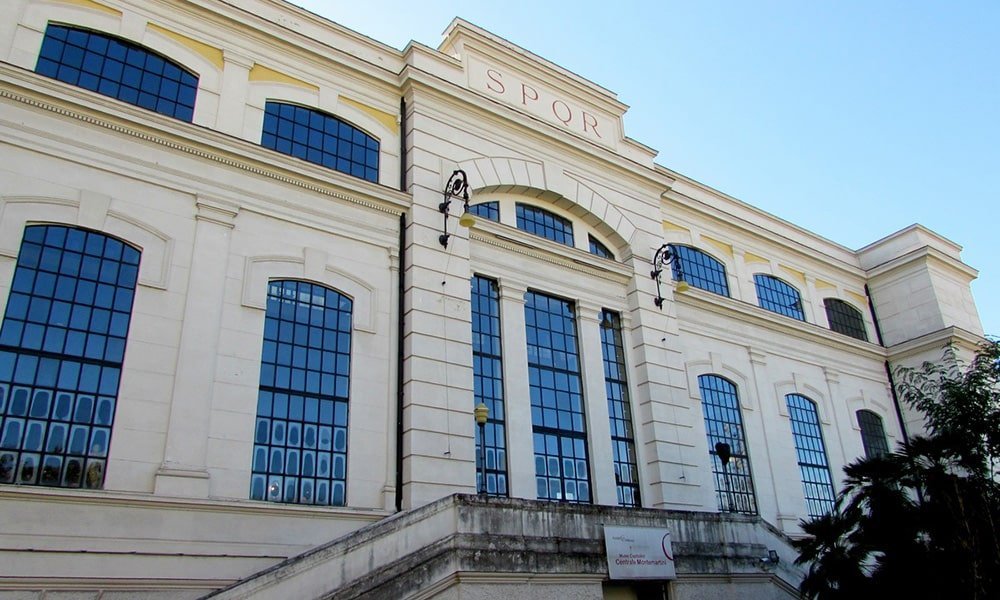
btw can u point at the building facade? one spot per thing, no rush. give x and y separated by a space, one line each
244 332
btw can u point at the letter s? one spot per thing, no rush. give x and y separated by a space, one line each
491 73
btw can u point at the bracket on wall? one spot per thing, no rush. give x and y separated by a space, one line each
666 255
457 187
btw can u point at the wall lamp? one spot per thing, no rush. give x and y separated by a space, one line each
457 187
665 255
482 414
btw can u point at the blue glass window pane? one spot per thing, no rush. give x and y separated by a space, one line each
599 249
488 385
94 61
78 356
724 425
544 223
777 296
699 269
817 484
312 135
553 373
298 402
619 410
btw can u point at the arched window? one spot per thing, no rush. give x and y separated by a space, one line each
699 269
872 434
619 410
118 68
487 374
724 426
61 349
320 138
300 439
845 319
486 210
562 466
814 466
777 296
599 249
545 224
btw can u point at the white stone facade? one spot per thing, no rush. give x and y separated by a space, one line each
216 217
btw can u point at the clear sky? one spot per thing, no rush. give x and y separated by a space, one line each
850 118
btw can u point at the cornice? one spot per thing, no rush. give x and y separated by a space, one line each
916 227
918 256
786 328
719 196
292 30
518 242
744 228
93 109
113 499
936 340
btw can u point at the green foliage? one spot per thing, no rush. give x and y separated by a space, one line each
923 520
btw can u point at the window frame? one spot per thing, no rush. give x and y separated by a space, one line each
620 419
301 363
844 318
544 224
73 291
718 406
597 248
875 442
776 288
316 136
551 440
94 70
694 265
489 210
487 346
809 444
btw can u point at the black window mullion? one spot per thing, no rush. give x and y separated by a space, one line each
562 462
56 431
817 482
139 84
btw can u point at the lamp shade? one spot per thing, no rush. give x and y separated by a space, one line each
467 219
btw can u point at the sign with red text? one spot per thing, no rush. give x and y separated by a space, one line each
639 553
547 104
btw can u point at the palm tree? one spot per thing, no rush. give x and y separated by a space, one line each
921 521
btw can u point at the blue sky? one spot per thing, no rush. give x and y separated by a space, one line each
852 119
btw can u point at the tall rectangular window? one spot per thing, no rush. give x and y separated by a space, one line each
814 467
487 371
619 410
61 350
727 446
562 468
300 437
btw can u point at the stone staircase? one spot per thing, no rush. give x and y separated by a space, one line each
464 543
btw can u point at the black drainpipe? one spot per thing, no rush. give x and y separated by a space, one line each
888 369
400 329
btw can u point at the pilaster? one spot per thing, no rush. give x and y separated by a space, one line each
183 472
603 485
517 392
233 96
